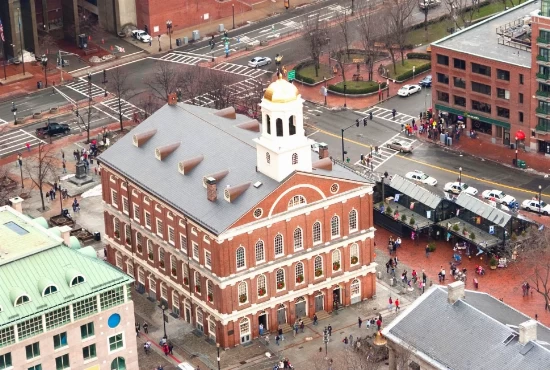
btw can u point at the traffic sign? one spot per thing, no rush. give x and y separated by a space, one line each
291 75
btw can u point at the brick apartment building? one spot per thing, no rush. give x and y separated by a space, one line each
60 306
493 77
232 224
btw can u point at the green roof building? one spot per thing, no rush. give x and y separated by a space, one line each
60 307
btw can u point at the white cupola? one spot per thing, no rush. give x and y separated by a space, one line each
283 146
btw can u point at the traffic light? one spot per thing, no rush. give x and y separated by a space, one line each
357 122
287 4
365 121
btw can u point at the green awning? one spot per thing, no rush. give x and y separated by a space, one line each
475 116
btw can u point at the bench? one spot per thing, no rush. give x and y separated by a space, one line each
357 77
90 51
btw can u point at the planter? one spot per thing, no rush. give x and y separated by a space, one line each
83 235
318 272
121 35
53 110
37 115
60 220
242 298
493 267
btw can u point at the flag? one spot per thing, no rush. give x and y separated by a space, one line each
2 31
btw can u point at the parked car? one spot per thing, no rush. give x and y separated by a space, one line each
423 4
426 81
315 147
259 61
400 146
421 177
407 90
533 206
459 187
498 196
141 35
52 129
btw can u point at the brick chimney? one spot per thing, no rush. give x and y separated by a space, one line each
455 291
172 99
323 151
211 189
527 331
66 234
17 204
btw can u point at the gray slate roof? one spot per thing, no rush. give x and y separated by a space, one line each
224 146
460 337
415 191
483 209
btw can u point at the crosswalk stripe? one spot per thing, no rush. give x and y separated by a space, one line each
385 153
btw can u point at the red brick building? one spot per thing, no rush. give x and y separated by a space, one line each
232 224
488 77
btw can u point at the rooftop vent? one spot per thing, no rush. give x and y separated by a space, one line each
527 331
231 193
211 189
257 184
142 138
323 164
455 291
218 176
187 165
164 151
253 125
228 112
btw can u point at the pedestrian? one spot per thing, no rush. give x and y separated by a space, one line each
315 319
55 186
145 325
261 329
527 288
64 167
524 288
62 154
442 274
28 146
277 339
387 267
138 328
345 340
280 331
378 324
390 303
302 325
427 251
393 112
359 322
165 349
171 348
295 331
329 328
146 347
368 324
396 304
351 338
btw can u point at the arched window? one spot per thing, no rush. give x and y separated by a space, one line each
279 125
210 291
280 277
197 282
335 226
318 266
260 252
116 227
118 364
150 253
296 201
317 232
291 125
244 327
353 220
51 289
278 245
128 233
336 265
354 253
161 257
268 158
173 265
185 269
268 123
22 300
298 241
294 158
240 258
77 280
243 292
139 240
299 271
355 288
261 282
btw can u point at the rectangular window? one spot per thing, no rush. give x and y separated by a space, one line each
544 35
35 367
481 69
30 328
443 96
208 259
136 213
5 361
503 112
482 107
183 243
443 78
89 352
62 362
520 116
459 63
159 227
503 94
87 330
84 308
114 198
442 59
32 350
459 82
111 298
171 235
503 75
115 342
125 205
7 336
521 79
520 98
481 88
195 251
147 220
60 340
58 318
459 100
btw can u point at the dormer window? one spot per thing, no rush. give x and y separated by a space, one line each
49 290
77 280
22 300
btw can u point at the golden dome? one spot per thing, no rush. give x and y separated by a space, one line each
281 91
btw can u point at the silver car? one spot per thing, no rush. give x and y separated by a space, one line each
259 61
400 146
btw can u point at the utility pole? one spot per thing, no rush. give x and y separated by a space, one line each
89 105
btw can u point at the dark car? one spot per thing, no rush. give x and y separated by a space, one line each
426 81
53 128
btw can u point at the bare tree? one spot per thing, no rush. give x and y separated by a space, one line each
535 262
340 42
396 16
462 11
46 45
368 28
118 83
425 7
315 36
41 168
218 87
250 102
148 103
166 79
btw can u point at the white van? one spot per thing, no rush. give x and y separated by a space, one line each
185 366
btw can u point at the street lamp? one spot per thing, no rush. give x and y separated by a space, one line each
164 320
540 196
21 43
345 101
218 347
356 124
45 65
325 91
233 6
460 175
14 110
325 339
517 158
425 106
169 27
20 160
60 197
352 7
160 49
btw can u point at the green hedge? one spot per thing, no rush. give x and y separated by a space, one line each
409 74
350 90
299 77
419 56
